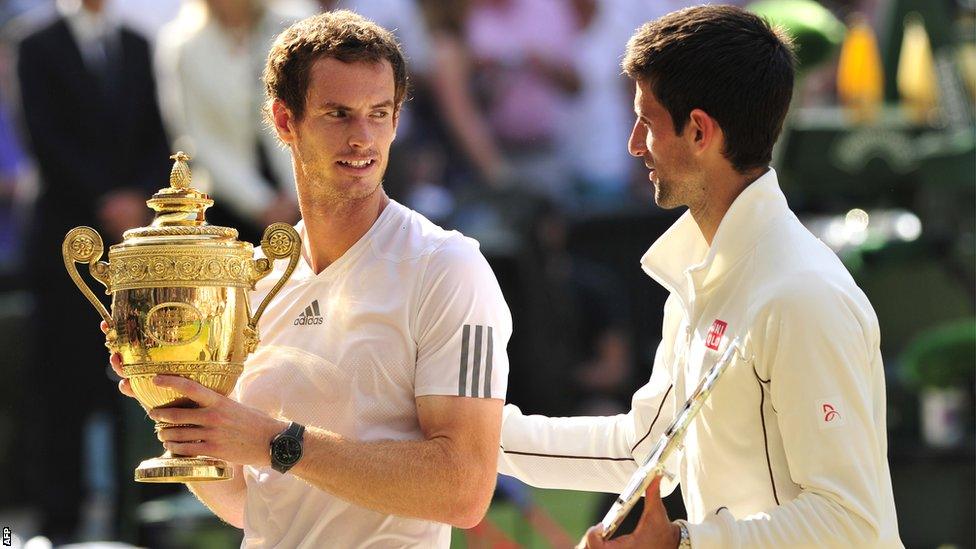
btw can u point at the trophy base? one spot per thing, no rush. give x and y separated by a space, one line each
169 468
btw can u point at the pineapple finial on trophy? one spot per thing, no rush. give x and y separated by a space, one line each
179 176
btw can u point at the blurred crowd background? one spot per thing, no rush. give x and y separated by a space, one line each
515 133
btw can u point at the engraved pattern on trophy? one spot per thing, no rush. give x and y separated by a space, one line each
210 230
216 332
174 323
220 376
198 328
189 266
179 304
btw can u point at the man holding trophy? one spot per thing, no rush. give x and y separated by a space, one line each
354 422
790 449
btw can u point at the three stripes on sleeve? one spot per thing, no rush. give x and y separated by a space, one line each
476 357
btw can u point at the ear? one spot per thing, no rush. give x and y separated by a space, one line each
704 130
284 123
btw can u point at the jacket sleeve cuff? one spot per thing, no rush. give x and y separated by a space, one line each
716 531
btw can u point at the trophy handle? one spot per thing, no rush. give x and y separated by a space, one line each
83 245
280 240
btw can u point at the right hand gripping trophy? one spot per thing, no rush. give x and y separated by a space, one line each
179 304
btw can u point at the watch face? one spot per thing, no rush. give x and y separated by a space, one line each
287 450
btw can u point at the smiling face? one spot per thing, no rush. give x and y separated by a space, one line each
340 146
669 156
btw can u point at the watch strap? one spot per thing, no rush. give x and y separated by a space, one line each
684 541
296 430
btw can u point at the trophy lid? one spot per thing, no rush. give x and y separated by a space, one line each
180 210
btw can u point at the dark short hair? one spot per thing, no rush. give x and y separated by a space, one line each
725 61
343 35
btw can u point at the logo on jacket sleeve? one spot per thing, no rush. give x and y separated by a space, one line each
830 413
715 333
310 316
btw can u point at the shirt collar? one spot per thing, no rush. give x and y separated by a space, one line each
681 260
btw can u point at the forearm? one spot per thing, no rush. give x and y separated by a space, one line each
810 520
429 479
224 498
574 453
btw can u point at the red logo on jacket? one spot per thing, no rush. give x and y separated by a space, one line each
830 413
715 333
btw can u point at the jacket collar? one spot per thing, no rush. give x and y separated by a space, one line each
681 260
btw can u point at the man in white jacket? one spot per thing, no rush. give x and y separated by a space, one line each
790 450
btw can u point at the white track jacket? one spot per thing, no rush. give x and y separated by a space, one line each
790 450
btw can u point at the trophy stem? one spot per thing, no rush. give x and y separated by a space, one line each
176 468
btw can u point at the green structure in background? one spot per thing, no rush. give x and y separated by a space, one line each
943 357
816 33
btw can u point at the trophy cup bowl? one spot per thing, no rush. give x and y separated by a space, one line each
180 305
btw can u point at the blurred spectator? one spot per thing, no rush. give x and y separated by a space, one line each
146 16
89 105
17 187
426 192
405 19
523 52
210 62
579 347
12 177
600 113
451 82
16 15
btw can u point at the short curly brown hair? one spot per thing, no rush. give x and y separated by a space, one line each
343 35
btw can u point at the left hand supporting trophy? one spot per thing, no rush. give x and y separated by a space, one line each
179 304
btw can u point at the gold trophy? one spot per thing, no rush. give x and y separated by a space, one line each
179 304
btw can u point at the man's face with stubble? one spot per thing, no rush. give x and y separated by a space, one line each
341 145
667 155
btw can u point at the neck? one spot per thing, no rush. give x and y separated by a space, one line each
238 21
94 7
332 228
722 190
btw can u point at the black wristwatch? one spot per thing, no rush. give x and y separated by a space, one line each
286 448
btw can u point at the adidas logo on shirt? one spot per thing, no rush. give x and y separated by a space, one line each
310 315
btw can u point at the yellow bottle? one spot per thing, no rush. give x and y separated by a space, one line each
860 81
917 83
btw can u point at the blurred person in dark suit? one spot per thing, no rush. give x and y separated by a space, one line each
90 111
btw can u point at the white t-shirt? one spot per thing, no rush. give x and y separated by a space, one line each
409 310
